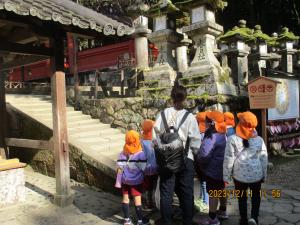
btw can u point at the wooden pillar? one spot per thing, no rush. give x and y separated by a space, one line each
96 85
76 75
264 125
3 118
64 195
122 82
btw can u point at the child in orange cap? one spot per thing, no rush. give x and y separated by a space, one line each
201 204
246 161
131 164
210 160
151 168
230 123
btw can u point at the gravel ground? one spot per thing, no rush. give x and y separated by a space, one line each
285 172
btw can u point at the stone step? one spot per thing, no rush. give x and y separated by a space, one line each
112 147
75 123
101 129
97 134
89 139
35 104
43 108
108 134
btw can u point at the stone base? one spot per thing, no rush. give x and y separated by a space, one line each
158 82
12 186
165 75
209 83
63 200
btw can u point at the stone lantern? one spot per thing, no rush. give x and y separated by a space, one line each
136 9
286 42
238 50
165 37
273 48
205 79
141 42
181 53
259 53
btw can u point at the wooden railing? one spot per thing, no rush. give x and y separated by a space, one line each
14 84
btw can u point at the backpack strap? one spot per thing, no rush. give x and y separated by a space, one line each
183 119
164 119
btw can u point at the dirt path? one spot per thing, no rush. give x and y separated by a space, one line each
286 172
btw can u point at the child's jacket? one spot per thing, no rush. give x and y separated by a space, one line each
133 167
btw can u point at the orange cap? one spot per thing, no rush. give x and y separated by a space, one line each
200 117
247 124
218 118
147 127
229 119
132 142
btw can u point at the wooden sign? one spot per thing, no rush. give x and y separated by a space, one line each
262 93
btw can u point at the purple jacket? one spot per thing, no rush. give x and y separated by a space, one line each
211 156
133 168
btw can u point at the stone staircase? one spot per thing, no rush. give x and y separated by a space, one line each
98 141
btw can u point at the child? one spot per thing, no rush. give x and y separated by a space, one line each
230 123
131 164
246 160
151 168
210 160
201 204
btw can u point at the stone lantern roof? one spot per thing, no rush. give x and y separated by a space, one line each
241 32
287 35
284 36
164 7
213 4
259 35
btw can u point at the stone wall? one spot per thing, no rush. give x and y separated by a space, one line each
123 113
128 113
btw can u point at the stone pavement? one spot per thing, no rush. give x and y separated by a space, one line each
95 207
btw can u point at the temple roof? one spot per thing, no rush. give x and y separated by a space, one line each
67 13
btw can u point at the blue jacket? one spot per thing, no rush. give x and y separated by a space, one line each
230 131
211 156
151 167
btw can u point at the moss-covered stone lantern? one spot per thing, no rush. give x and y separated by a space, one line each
205 79
165 37
237 40
259 53
286 41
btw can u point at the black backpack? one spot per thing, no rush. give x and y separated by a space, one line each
171 154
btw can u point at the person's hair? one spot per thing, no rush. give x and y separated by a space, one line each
178 95
210 130
245 143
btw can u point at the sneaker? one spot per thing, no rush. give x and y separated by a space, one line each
145 221
222 214
127 222
204 208
200 205
252 222
209 221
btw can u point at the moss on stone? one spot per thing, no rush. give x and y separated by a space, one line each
192 85
200 75
214 4
224 77
238 32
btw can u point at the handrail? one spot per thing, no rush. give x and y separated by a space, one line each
18 84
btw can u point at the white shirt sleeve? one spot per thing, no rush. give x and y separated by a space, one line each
264 159
229 159
194 135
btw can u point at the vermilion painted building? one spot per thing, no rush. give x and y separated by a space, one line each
88 60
